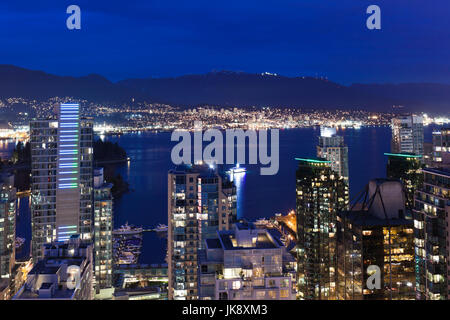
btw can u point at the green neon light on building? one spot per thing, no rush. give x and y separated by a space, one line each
404 155
312 160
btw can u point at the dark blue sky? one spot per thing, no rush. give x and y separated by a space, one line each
123 39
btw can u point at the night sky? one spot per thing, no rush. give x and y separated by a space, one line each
147 38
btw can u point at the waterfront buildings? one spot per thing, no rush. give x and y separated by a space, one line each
321 193
408 169
332 147
7 231
431 230
376 233
407 134
64 273
61 182
246 263
103 228
200 202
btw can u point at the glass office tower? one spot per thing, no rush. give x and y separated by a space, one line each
61 177
407 134
408 169
200 202
321 193
431 229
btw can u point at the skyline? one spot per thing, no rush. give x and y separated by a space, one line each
188 218
159 39
221 152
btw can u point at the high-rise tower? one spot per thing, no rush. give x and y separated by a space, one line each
408 169
200 202
62 184
332 147
407 134
376 234
103 227
321 193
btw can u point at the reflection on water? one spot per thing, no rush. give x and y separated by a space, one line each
239 181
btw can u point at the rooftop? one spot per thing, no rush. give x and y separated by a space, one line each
261 240
51 266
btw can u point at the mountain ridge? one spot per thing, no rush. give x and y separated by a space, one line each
228 88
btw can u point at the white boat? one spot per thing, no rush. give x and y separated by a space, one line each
127 229
237 169
161 228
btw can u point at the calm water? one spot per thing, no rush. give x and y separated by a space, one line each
258 196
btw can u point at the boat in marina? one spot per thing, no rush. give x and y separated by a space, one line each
161 228
127 244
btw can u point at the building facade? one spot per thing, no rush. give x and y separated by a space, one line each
431 230
321 193
7 228
407 134
61 177
246 263
441 148
103 228
200 202
376 233
332 147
